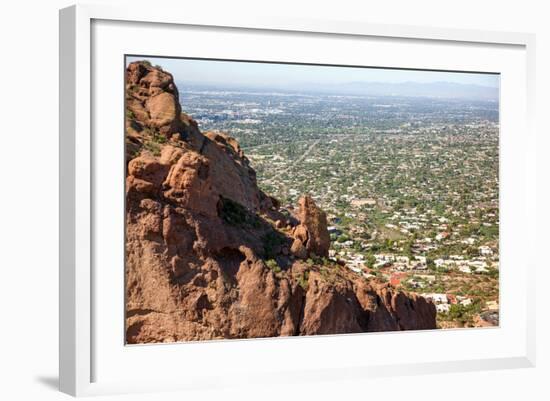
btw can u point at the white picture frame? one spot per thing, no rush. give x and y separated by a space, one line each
81 343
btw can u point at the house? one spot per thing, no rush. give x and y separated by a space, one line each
363 202
466 302
465 269
402 259
420 263
484 250
439 262
421 259
415 283
443 308
478 266
355 262
437 298
481 269
384 258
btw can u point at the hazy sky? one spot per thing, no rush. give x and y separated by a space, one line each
249 73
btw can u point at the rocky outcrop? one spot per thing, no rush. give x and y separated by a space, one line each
209 255
152 98
311 236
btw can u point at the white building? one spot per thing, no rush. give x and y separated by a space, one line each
437 298
420 263
465 269
466 302
484 250
439 262
443 308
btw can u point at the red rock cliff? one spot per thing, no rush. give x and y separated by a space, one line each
209 255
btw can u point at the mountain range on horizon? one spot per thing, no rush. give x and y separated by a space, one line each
439 89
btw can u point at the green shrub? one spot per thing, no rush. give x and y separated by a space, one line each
463 314
152 147
154 135
303 280
273 265
326 261
159 138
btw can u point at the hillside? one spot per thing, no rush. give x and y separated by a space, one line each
210 256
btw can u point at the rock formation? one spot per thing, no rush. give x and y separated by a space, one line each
209 255
311 236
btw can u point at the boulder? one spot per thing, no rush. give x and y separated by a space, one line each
152 99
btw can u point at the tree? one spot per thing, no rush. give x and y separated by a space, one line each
371 260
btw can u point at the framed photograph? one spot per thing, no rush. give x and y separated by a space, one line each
236 194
